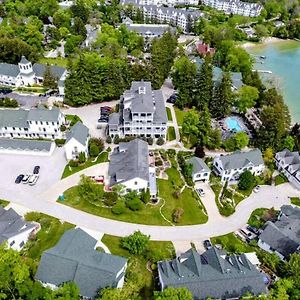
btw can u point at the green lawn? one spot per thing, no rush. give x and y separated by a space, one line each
51 231
3 203
73 119
136 270
174 177
226 209
232 243
256 219
295 201
280 179
169 114
103 157
58 61
171 136
179 115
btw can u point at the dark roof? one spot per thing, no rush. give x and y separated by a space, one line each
213 274
27 145
13 118
43 114
128 161
284 234
198 165
9 70
79 132
12 224
39 70
74 259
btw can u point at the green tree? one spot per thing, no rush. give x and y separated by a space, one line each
78 28
173 294
236 142
289 143
246 181
50 81
222 100
268 155
135 243
204 127
190 125
246 98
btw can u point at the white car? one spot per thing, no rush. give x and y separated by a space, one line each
33 179
201 192
26 178
256 189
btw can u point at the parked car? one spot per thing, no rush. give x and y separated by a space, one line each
103 120
106 108
201 192
25 178
247 234
36 170
33 179
207 244
98 179
19 178
253 229
256 189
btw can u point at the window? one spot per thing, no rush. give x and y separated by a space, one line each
12 243
47 123
135 183
21 244
36 122
44 129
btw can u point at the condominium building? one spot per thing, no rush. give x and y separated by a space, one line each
32 123
237 7
160 2
142 113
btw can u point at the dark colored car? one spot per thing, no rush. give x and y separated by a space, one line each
103 120
207 244
19 178
253 229
36 170
107 108
172 99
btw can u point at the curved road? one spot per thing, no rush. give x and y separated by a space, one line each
268 196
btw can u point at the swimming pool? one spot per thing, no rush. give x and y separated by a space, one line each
233 123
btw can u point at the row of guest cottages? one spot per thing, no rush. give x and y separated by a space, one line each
27 74
238 7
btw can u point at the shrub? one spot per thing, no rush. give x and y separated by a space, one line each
134 204
73 163
246 181
7 102
160 141
60 142
98 142
116 139
171 153
199 152
93 150
63 127
135 243
177 214
109 139
81 157
119 208
145 196
150 141
110 198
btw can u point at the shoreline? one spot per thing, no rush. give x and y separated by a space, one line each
265 41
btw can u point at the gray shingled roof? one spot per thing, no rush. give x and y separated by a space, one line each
24 60
240 159
128 161
154 29
13 118
43 114
27 145
198 165
39 70
74 259
79 132
284 234
114 119
9 70
213 274
12 224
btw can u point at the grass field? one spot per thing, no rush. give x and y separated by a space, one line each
256 219
179 115
280 179
103 157
171 136
169 114
59 61
295 201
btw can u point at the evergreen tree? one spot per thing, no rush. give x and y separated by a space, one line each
50 81
204 127
221 103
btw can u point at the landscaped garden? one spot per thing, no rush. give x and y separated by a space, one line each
295 201
280 179
73 119
171 136
260 216
71 168
179 115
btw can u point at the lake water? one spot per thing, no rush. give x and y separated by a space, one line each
283 59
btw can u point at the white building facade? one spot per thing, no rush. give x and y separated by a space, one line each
160 2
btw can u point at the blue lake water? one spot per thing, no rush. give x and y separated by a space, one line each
283 59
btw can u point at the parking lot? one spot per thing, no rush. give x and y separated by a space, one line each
13 165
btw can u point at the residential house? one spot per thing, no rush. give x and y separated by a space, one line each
75 259
142 113
213 274
91 35
77 141
230 167
201 171
129 167
14 230
32 123
237 7
288 163
283 236
204 49
26 74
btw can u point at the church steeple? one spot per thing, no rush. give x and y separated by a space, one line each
25 66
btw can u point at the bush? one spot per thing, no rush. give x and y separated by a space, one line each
177 214
160 141
73 163
119 208
199 152
60 142
110 198
246 181
81 157
93 150
145 196
134 204
171 153
135 243
63 127
116 139
109 140
98 143
7 102
150 141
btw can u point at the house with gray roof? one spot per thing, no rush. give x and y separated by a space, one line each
75 259
14 230
288 163
213 274
142 113
33 123
229 167
77 141
283 236
129 167
26 74
200 171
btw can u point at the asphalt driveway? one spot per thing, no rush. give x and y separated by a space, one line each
13 165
